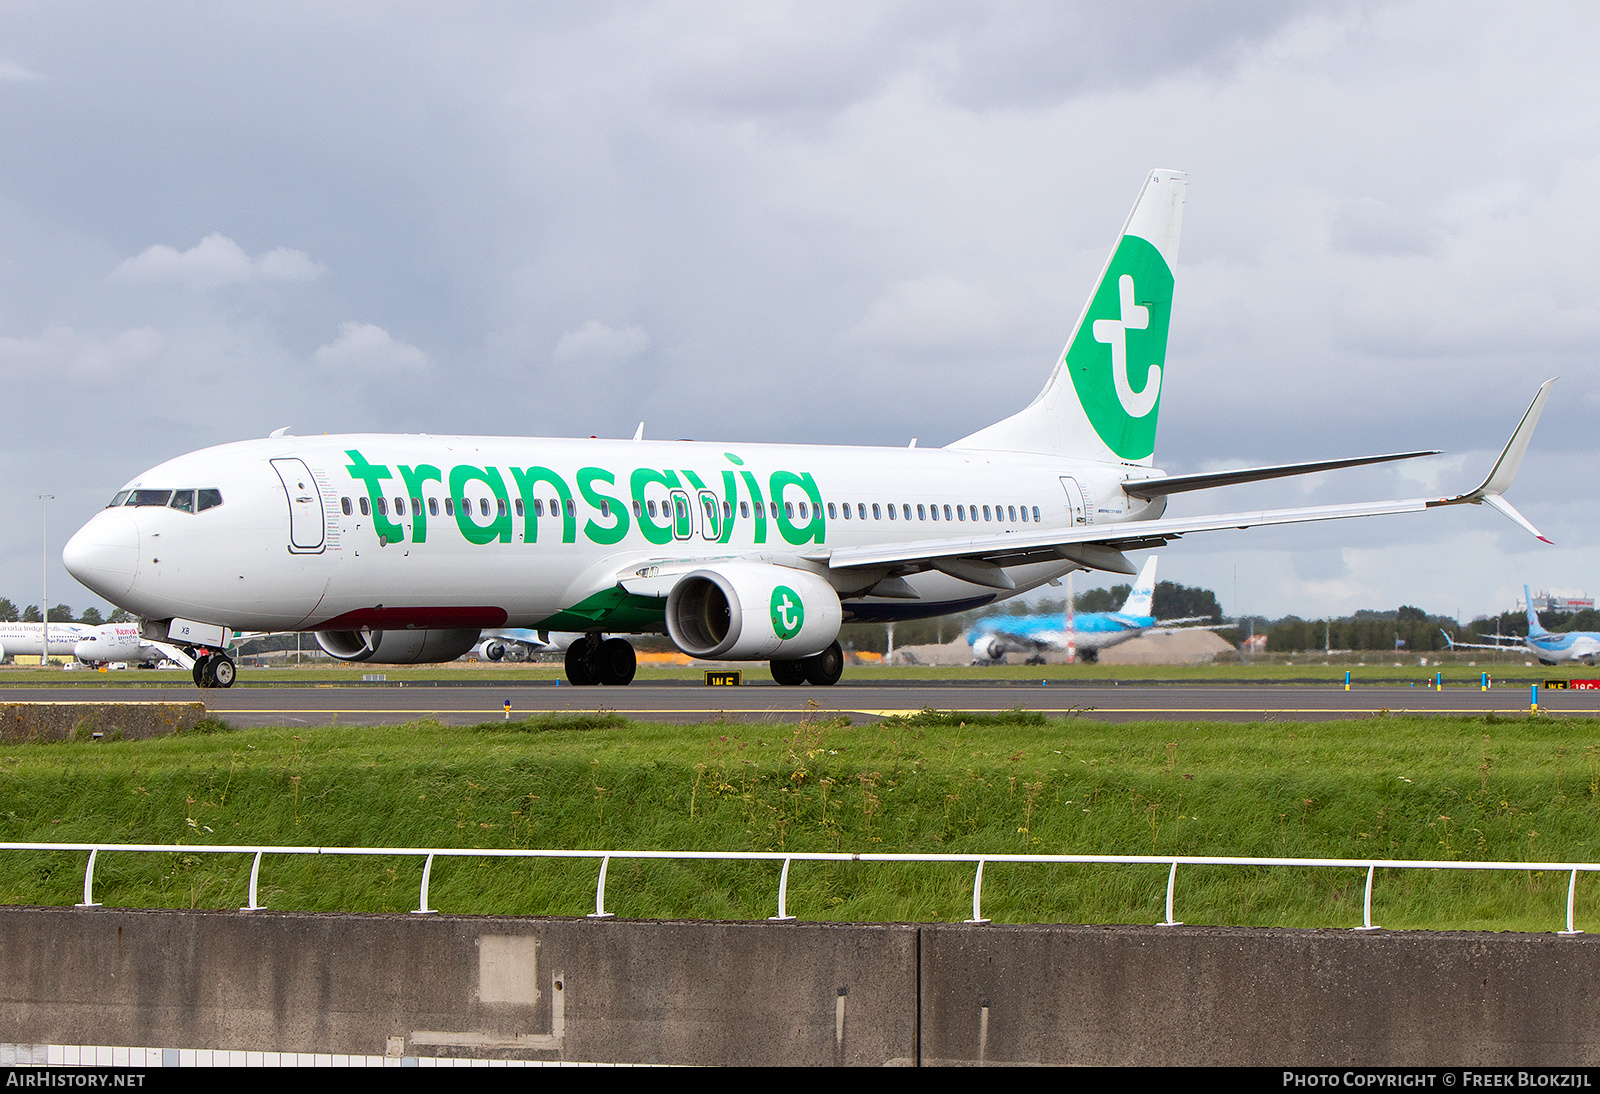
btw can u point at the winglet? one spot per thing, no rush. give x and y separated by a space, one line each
1506 467
1447 639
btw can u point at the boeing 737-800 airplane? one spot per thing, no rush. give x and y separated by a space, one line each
399 549
1081 634
1550 647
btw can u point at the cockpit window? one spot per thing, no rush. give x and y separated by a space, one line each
150 497
122 496
209 499
182 500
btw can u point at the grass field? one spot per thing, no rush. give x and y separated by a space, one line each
1506 789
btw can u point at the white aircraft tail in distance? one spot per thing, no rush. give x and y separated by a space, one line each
1082 634
1548 647
397 549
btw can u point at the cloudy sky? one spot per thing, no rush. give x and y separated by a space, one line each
835 222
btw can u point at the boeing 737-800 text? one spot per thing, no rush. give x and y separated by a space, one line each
398 549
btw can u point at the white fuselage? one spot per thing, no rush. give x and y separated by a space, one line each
117 642
27 639
488 532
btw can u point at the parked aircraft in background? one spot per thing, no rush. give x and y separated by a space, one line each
397 549
115 642
1082 634
1550 647
27 639
520 643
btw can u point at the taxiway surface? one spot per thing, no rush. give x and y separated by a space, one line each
676 701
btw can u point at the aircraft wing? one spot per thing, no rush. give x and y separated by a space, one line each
1511 644
979 559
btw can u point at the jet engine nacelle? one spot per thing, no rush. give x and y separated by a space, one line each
753 611
988 648
397 647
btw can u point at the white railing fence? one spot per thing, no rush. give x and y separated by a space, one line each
1174 861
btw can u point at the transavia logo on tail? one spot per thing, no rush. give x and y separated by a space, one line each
1116 360
788 613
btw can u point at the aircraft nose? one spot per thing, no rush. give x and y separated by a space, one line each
104 554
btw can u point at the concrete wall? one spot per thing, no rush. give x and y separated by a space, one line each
630 991
64 721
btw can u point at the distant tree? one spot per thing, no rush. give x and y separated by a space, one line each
1102 600
61 614
30 614
120 616
91 616
8 611
1407 614
1174 601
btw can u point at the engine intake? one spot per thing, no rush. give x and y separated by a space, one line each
397 647
752 611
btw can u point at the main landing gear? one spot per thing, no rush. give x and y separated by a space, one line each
593 661
821 669
214 670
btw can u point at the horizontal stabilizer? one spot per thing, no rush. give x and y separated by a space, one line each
1177 484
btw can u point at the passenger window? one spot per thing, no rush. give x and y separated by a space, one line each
366 508
433 507
891 511
650 507
861 510
483 507
383 507
182 500
1011 511
1036 514
905 510
946 512
727 510
877 511
500 507
985 512
1024 514
774 506
605 508
572 507
788 509
538 507
638 510
846 510
833 511
122 496
345 506
416 507
803 511
399 507
922 514
449 507
744 510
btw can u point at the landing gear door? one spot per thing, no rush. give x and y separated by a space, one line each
307 525
1075 504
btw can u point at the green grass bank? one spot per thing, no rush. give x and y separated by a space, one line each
1499 788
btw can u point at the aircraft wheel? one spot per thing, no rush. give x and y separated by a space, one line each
617 662
223 671
788 672
208 671
1091 657
199 670
580 669
826 667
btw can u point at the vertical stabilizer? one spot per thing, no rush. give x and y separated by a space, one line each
1144 590
1534 629
1102 400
